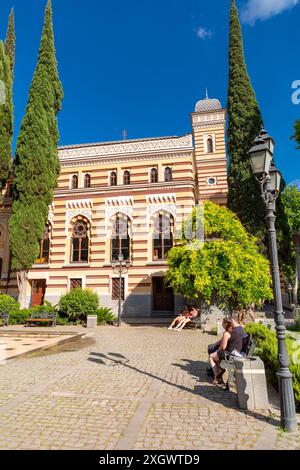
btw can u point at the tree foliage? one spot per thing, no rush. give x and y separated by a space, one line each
6 115
10 42
297 132
227 270
36 161
244 124
291 201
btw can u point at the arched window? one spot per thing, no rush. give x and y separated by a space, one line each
80 242
74 182
163 238
44 253
113 178
126 177
120 240
154 175
210 145
168 174
87 181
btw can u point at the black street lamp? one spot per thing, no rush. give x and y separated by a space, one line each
263 168
120 267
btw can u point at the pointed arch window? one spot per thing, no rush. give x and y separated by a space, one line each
44 254
74 182
163 235
154 175
80 242
120 240
126 177
113 178
87 181
210 145
168 174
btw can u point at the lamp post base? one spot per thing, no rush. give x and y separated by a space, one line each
287 402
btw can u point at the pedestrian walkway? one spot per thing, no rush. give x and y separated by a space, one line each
127 388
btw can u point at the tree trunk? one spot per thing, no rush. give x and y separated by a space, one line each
22 282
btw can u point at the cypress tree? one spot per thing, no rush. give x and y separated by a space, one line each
244 124
36 161
6 116
10 41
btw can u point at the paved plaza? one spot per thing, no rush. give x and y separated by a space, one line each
129 388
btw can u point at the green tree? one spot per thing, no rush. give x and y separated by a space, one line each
297 132
10 42
227 269
36 161
6 115
244 124
291 201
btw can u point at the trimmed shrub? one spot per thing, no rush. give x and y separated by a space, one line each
267 350
79 303
7 304
104 315
19 317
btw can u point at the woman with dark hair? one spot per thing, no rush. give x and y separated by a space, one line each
231 342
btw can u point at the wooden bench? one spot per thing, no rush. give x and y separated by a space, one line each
41 318
229 362
4 319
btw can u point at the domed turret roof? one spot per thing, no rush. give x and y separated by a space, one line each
209 104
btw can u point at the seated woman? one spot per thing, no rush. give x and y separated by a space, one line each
231 342
192 315
185 311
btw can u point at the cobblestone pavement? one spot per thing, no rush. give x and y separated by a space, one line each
128 388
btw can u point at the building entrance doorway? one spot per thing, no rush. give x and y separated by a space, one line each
163 297
38 292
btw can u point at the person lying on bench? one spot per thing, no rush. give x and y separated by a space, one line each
189 317
185 311
231 342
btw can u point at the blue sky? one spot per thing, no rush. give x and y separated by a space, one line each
143 64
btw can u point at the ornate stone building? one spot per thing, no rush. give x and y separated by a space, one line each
126 197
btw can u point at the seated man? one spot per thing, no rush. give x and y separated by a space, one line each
185 311
193 314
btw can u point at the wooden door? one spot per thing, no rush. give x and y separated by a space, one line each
38 292
163 297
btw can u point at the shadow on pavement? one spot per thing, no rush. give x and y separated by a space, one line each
197 369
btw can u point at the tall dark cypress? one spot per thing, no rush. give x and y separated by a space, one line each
244 124
10 41
6 116
36 161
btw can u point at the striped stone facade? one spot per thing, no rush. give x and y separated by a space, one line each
141 184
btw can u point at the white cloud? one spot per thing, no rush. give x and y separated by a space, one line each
203 33
263 9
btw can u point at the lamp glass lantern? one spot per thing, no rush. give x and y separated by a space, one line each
261 158
275 178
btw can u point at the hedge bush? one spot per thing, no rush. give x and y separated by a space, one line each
104 315
7 303
267 350
79 303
